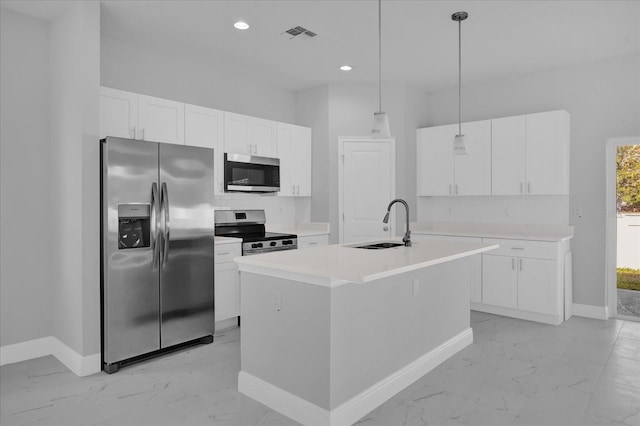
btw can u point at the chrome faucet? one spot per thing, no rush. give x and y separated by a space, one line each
407 235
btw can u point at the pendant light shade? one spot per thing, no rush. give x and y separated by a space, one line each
380 127
459 142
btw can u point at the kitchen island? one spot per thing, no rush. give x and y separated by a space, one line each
330 333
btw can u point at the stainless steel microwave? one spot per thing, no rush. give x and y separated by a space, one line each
249 173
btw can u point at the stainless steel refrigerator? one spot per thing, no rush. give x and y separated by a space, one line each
157 248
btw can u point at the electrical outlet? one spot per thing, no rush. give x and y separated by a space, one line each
276 297
416 287
578 212
505 211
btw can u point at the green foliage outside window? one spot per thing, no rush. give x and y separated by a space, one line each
628 178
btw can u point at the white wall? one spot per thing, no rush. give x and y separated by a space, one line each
25 246
75 218
603 99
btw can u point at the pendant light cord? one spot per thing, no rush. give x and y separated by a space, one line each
459 77
380 55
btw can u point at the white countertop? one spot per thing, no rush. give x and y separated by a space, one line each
534 232
226 240
338 264
300 229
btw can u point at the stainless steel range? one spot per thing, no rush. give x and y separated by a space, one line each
249 225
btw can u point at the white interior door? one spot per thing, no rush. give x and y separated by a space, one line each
368 185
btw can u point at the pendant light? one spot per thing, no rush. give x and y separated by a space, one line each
380 120
459 143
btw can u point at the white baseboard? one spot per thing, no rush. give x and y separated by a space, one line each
349 412
516 313
23 351
590 311
78 364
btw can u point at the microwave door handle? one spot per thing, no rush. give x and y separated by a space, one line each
167 222
156 239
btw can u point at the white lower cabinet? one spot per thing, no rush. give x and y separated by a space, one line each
313 241
524 279
475 277
227 281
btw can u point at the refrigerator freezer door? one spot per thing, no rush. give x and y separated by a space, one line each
186 268
130 291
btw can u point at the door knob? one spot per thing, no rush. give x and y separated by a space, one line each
385 228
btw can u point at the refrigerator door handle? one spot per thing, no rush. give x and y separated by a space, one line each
167 223
156 239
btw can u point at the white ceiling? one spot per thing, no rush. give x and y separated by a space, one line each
420 41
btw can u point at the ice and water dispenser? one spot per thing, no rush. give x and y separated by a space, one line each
134 225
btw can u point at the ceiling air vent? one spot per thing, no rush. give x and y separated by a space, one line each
298 31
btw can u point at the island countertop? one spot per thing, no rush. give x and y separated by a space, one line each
338 264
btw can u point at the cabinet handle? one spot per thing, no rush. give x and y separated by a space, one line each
513 264
223 253
297 189
517 248
142 130
255 149
528 187
249 148
293 190
456 188
520 264
449 189
521 185
313 243
133 132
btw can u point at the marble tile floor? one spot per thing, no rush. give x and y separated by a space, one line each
582 372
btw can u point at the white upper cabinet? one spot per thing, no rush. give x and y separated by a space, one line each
473 171
129 115
435 160
161 120
547 159
118 113
294 151
440 172
531 154
521 155
508 155
204 127
249 135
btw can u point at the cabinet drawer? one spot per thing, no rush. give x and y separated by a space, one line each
520 248
226 252
313 241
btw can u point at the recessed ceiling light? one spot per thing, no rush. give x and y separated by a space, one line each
345 68
241 25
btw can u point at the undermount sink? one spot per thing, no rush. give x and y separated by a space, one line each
379 246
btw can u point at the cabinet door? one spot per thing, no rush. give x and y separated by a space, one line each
161 120
537 286
508 156
118 113
473 171
227 291
499 281
435 160
547 153
262 135
203 127
287 159
301 152
236 134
